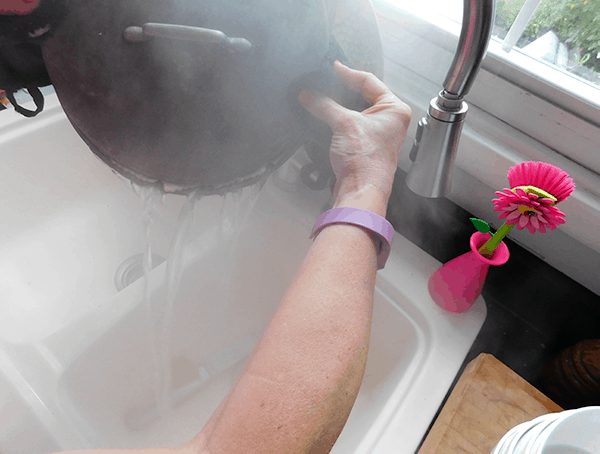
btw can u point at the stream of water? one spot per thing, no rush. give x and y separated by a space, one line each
191 227
151 198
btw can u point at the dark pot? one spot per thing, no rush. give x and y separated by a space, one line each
184 114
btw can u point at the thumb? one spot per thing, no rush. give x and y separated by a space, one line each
323 107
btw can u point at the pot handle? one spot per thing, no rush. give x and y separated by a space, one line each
185 33
36 95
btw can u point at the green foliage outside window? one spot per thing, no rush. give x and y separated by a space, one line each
576 22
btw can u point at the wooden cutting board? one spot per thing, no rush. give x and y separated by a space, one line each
488 400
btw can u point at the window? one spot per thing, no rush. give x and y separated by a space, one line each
563 33
520 108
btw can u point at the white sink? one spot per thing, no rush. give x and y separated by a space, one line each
76 361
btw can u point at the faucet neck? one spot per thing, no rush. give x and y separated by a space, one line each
478 17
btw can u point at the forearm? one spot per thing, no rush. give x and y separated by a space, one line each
312 355
302 379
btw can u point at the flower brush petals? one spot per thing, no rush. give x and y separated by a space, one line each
547 177
527 211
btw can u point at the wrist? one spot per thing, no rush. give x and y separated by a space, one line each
373 224
369 197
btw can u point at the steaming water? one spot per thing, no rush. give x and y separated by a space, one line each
151 197
190 232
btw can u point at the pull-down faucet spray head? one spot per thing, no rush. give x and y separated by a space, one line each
437 137
436 142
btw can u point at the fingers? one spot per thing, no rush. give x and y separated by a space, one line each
372 89
323 107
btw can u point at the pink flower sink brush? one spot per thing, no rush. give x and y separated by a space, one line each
536 188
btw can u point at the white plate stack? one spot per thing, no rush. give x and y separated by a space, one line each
568 432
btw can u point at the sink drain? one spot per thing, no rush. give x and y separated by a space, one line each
132 269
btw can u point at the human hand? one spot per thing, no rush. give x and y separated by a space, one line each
365 145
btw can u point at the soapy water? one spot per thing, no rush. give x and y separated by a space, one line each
193 236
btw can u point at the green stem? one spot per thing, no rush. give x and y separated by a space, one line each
490 246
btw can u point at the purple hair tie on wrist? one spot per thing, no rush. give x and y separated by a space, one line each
363 218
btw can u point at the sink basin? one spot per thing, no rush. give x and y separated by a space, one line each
83 362
68 222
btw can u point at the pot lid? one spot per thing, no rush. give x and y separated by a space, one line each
201 94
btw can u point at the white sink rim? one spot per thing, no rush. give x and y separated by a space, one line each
404 429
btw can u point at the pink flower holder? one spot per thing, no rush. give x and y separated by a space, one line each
457 284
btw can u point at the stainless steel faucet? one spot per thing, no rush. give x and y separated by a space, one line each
438 134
